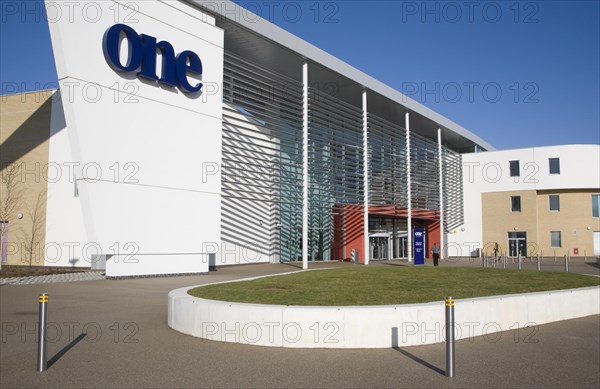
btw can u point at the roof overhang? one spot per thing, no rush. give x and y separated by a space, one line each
264 43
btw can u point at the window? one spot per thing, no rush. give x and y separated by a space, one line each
514 169
554 165
595 205
515 203
554 202
555 239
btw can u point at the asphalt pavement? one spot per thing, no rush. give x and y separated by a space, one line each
114 333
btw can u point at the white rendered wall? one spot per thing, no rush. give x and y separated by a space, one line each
373 326
146 158
489 172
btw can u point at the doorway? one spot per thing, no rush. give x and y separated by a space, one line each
517 244
380 246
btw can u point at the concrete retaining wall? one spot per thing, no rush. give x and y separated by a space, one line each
372 326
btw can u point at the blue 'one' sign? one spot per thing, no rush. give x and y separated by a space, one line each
142 56
419 245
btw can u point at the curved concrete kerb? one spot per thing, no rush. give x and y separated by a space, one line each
372 326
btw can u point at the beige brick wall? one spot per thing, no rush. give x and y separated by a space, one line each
24 140
499 220
536 219
573 219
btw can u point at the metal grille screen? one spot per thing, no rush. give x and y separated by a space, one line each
262 163
453 189
387 163
335 165
424 175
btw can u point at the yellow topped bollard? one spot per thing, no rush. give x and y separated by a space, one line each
43 318
449 302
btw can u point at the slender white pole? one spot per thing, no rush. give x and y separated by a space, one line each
305 166
408 189
366 248
440 170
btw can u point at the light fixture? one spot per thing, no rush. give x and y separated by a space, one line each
589 228
516 228
20 216
463 229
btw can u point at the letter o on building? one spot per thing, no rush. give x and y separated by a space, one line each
111 43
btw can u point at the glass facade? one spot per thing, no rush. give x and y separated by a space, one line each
335 172
262 172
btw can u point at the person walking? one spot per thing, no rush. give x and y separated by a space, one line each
436 254
496 249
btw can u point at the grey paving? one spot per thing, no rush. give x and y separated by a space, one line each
127 343
52 278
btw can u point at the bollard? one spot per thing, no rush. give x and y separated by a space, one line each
519 260
539 263
504 262
449 337
494 262
43 319
566 264
554 255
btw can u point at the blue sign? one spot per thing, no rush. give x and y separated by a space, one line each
142 56
419 246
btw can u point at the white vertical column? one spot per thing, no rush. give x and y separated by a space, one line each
440 170
305 166
366 248
408 189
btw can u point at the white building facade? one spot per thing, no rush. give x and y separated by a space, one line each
533 201
184 136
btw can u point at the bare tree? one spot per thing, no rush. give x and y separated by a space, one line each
11 195
31 237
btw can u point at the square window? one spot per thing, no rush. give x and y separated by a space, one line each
595 205
555 239
514 169
515 203
554 202
554 165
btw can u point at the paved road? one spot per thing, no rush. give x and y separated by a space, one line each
127 344
52 278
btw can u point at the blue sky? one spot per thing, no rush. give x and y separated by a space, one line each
518 74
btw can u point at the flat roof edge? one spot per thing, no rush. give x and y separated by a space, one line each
305 49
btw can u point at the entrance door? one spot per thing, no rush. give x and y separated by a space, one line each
379 247
597 243
517 244
403 244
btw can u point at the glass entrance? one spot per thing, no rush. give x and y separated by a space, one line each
379 247
517 244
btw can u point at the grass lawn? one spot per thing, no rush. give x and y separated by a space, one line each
389 285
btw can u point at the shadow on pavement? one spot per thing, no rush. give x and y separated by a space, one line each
421 361
293 264
65 349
